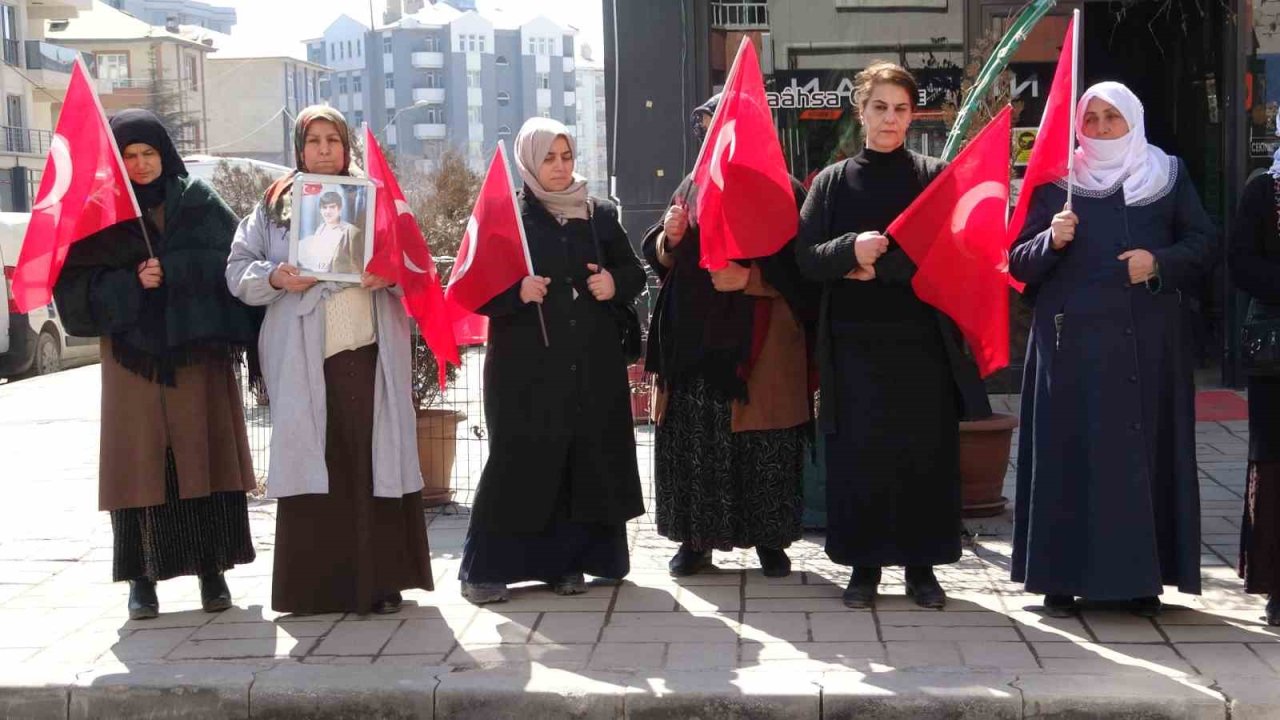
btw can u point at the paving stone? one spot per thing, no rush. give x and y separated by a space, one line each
702 656
356 638
1120 627
568 628
1117 659
645 599
707 598
923 654
774 627
1088 696
234 631
628 656
715 694
572 657
945 634
823 590
943 619
919 696
1223 659
491 628
149 644
808 604
535 694
175 690
416 637
320 692
1270 654
1221 633
1251 698
1042 628
35 693
710 633
412 660
280 646
840 626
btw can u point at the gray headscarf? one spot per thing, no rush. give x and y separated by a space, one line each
532 145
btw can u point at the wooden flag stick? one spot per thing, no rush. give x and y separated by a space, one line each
524 240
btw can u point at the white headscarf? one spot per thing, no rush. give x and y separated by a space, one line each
1275 159
1101 164
532 145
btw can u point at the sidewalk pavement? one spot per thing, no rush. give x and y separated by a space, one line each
728 643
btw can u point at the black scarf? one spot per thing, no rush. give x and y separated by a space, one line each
135 126
700 332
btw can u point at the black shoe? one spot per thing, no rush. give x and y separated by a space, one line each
485 593
1273 610
143 604
923 586
774 563
689 561
215 596
1060 606
1147 607
861 592
569 585
388 605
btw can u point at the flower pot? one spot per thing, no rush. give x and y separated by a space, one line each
641 393
437 446
984 460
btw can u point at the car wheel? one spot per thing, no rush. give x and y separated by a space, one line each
48 355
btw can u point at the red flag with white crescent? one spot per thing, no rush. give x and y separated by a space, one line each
84 189
400 254
954 232
744 205
494 254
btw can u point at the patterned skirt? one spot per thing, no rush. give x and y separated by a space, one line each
719 490
1260 533
181 537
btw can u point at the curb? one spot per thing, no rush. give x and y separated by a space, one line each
243 691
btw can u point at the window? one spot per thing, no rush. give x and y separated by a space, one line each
388 81
504 98
502 60
475 115
359 47
358 117
473 78
504 131
432 44
531 47
462 43
435 114
357 85
349 53
342 84
114 66
471 43
331 52
544 81
546 113
391 115
386 44
324 84
12 42
482 43
434 80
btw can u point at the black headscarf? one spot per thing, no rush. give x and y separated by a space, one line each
707 108
142 126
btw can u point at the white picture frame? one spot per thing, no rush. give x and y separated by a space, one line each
330 246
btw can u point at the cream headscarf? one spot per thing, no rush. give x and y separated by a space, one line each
532 145
1101 164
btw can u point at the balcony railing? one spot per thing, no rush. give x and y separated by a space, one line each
12 51
26 141
431 60
740 16
55 58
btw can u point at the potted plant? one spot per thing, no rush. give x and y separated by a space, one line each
437 426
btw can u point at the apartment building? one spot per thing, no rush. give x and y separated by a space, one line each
181 12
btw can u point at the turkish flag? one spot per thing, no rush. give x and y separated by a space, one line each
1049 154
400 254
744 205
84 189
494 254
954 231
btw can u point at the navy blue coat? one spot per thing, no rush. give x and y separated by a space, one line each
1108 503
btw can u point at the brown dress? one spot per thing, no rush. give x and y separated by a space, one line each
346 550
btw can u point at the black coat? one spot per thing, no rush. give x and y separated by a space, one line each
559 416
1255 269
1108 503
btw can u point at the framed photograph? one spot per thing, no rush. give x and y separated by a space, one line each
331 234
1023 140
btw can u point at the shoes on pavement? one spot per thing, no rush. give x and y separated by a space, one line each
1147 607
861 591
688 561
143 604
485 593
569 585
774 563
923 587
388 605
1060 606
1273 610
215 596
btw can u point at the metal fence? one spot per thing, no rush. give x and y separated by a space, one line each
465 395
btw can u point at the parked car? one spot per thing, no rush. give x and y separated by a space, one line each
34 343
203 166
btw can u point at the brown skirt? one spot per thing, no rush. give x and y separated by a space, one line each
346 550
1260 534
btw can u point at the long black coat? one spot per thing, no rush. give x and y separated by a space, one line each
1108 503
559 417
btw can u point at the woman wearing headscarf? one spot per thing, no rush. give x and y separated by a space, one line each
174 462
1255 268
895 381
350 531
1108 504
561 480
729 349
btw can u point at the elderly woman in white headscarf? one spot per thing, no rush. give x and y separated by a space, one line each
561 480
1255 269
1108 505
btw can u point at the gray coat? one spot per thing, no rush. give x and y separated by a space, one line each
291 346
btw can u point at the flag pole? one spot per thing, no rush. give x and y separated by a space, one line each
1071 133
524 240
146 236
